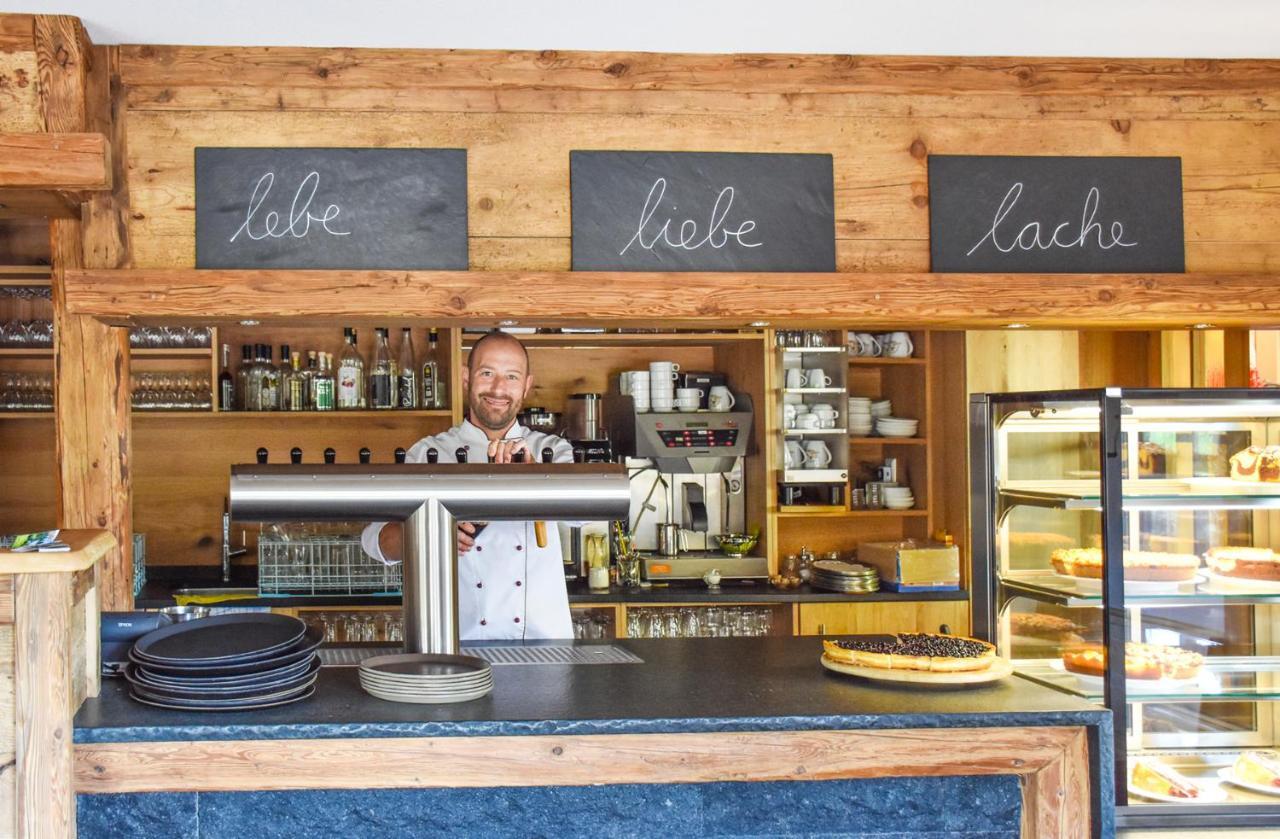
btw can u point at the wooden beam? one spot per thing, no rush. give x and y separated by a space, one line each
170 67
55 161
39 203
1053 763
16 33
974 301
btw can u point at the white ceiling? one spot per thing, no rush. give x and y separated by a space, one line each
1116 28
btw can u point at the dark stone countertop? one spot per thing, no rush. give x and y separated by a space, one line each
166 579
684 685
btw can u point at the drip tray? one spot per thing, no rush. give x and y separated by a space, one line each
497 655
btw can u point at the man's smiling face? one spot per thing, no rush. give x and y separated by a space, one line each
497 381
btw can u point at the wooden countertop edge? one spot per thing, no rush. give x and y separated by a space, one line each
87 547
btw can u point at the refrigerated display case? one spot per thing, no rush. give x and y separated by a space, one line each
1180 637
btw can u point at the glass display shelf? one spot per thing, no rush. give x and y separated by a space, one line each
1048 587
1205 768
1222 677
1145 494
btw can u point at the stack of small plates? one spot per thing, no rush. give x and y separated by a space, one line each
897 426
229 662
426 678
883 408
899 498
860 421
845 577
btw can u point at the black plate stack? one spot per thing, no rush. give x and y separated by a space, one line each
230 662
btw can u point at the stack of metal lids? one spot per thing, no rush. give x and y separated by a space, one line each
226 663
426 678
845 577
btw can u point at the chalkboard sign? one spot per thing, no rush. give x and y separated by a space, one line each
1055 214
702 211
331 208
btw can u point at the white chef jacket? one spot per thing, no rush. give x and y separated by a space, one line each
508 587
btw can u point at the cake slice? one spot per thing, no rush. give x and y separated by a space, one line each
1154 776
1258 767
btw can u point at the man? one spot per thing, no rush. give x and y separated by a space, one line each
508 587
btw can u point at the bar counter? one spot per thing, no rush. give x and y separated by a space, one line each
665 747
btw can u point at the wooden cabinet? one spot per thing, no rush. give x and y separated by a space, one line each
876 617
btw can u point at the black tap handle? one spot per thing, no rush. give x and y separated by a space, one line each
365 455
295 455
400 455
548 455
330 456
262 455
433 455
579 456
518 457
461 455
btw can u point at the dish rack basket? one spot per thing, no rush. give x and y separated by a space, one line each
321 565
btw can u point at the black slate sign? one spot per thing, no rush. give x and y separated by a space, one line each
1055 214
702 211
331 208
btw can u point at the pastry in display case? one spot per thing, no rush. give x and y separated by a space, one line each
1126 549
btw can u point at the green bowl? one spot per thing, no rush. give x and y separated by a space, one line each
737 544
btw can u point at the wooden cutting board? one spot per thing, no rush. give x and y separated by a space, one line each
999 669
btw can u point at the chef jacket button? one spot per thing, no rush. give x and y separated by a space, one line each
484 622
479 585
519 547
519 582
479 548
517 620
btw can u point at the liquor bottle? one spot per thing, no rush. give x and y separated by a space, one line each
269 389
242 377
322 398
364 370
431 384
253 387
282 374
295 385
350 379
226 382
309 376
382 374
407 392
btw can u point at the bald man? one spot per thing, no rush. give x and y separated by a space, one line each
508 587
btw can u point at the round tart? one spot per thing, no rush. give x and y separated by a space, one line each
1141 661
1245 563
1138 565
914 651
1048 627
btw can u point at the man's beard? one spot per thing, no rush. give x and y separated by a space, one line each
493 418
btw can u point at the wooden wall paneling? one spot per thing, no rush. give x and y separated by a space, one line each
949 443
28 494
1118 359
884 617
19 100
1236 357
24 241
745 364
8 734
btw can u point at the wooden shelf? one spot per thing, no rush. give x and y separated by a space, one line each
25 415
614 339
445 412
914 512
880 361
14 352
888 441
26 276
170 352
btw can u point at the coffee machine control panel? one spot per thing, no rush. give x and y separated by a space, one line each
698 438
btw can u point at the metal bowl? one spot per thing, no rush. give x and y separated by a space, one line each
181 614
737 544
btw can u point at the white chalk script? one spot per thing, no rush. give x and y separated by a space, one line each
300 215
1030 237
687 236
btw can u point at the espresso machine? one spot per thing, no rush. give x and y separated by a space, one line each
585 430
687 486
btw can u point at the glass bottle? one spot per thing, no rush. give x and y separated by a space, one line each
253 387
322 386
364 370
242 377
382 374
309 375
350 378
269 389
282 374
407 391
226 382
295 389
431 385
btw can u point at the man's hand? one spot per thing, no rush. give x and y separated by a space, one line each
504 451
466 536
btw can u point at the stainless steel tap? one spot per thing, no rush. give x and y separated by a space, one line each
429 499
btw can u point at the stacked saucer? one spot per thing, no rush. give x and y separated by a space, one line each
860 421
897 427
881 409
898 498
226 663
845 577
426 678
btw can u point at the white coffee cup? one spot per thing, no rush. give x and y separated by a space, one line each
721 399
864 344
689 393
662 389
807 421
897 345
817 455
688 403
794 378
663 370
795 455
662 406
816 378
633 381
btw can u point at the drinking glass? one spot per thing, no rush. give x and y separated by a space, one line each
675 626
689 627
657 626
